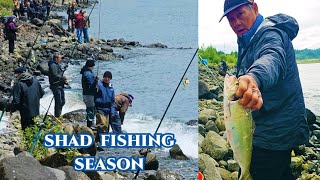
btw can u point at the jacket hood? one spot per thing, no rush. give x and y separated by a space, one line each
285 23
83 69
25 77
10 19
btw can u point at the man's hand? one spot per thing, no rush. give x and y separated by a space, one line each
249 94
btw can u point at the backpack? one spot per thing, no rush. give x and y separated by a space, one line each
6 30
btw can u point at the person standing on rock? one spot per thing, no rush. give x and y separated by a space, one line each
79 25
72 9
57 82
105 103
89 89
10 30
86 26
269 84
27 93
122 102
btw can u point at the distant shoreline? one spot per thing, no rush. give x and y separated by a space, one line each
308 61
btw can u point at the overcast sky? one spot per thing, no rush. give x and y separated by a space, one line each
221 36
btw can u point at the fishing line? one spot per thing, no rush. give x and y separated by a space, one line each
135 177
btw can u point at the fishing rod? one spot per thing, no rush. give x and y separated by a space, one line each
165 112
99 48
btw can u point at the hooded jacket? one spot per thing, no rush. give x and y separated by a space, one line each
89 82
10 29
269 58
27 93
55 74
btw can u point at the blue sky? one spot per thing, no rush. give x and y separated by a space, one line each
221 36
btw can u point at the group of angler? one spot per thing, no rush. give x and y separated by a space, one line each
31 8
78 20
98 95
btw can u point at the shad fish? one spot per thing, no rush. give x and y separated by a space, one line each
239 127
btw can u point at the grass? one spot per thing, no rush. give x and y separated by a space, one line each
6 7
308 61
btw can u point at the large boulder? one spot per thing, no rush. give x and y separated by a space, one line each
311 118
207 165
77 115
214 145
176 153
24 167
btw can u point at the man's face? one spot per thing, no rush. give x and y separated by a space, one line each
242 18
106 80
59 59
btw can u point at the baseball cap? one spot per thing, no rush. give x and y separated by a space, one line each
230 5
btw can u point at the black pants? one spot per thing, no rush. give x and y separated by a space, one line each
270 164
26 121
11 46
59 100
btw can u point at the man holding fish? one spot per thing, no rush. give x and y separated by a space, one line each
267 83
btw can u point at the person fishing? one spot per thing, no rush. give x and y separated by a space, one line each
269 84
57 82
27 93
9 31
105 103
89 83
122 102
223 68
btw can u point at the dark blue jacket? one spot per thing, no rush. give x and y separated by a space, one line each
55 74
27 92
89 81
270 58
104 99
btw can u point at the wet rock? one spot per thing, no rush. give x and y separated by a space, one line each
78 115
152 162
37 22
156 45
176 153
193 122
168 175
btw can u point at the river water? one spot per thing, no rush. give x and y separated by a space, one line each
309 75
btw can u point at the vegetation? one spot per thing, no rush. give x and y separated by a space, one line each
308 61
307 54
40 151
6 7
215 57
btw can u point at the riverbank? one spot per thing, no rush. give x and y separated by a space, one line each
216 158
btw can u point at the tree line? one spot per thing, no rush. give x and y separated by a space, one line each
214 57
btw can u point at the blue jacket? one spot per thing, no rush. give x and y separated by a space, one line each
104 99
89 81
270 58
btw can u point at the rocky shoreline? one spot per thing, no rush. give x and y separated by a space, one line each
216 158
51 37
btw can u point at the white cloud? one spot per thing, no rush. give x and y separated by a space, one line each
220 35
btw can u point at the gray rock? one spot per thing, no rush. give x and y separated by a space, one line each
207 166
23 167
73 175
176 153
202 129
233 165
152 162
311 118
214 145
211 126
167 175
59 174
